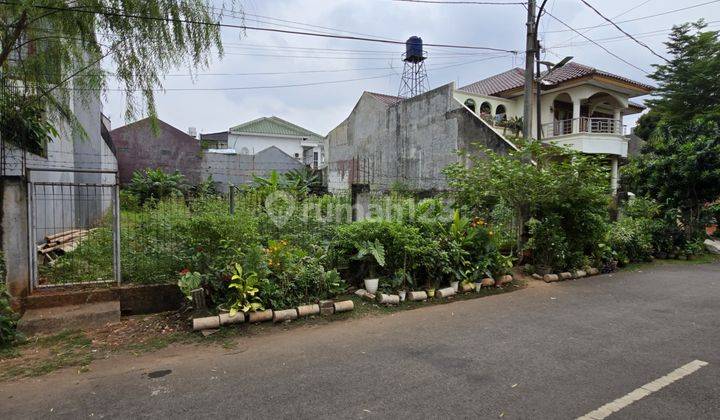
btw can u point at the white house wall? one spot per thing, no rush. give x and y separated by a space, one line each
255 144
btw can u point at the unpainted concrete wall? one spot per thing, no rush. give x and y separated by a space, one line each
410 142
238 169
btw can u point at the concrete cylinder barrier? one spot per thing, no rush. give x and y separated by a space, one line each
344 306
226 319
260 316
307 310
417 296
388 299
548 278
446 292
206 323
285 315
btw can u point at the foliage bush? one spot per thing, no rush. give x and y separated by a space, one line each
155 184
8 319
556 187
631 239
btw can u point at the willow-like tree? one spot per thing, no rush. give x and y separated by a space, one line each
51 49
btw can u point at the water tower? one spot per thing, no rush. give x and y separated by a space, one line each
414 79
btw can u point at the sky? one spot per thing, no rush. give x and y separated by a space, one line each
309 60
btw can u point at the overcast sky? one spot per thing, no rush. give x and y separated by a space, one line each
304 59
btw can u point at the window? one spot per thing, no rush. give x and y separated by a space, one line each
500 113
485 108
470 104
316 159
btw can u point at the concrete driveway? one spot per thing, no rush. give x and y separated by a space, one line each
559 351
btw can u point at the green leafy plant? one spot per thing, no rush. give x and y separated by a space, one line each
371 253
157 185
189 281
244 292
8 319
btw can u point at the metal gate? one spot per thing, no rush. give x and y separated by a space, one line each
73 227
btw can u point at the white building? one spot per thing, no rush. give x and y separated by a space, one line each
582 107
257 135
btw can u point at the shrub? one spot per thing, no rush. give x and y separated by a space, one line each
404 247
8 319
548 244
631 240
157 185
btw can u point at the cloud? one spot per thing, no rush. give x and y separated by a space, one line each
320 108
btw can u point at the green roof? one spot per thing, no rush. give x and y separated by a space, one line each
273 125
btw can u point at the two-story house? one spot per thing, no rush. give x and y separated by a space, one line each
581 107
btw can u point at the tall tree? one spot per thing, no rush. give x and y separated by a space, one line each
688 85
680 164
50 49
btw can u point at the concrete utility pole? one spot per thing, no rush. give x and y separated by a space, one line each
530 45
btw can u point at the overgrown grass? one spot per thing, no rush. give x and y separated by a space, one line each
47 354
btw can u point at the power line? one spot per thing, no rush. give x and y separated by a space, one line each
223 89
624 38
254 28
615 17
595 43
623 31
488 3
638 18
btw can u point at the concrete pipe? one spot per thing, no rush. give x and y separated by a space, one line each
344 306
307 310
226 319
261 316
417 296
446 292
206 323
388 299
285 315
548 278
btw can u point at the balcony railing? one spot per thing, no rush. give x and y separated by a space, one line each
584 125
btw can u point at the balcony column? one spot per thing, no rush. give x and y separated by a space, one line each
617 123
576 115
614 174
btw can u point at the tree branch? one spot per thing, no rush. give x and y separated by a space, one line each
7 45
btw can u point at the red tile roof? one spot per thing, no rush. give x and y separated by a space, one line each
510 79
385 99
515 78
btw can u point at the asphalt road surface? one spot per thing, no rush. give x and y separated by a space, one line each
557 351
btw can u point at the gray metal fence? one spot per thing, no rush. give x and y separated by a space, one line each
73 227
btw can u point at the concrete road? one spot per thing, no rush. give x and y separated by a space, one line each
555 351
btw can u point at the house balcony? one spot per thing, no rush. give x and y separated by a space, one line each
588 135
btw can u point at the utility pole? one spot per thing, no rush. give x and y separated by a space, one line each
530 45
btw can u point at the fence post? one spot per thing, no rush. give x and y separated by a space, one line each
116 230
232 199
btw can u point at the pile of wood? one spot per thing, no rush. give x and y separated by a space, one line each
61 243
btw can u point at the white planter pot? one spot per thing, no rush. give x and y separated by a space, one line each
371 285
402 295
455 285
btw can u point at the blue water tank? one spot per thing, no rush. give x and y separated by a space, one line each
414 49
